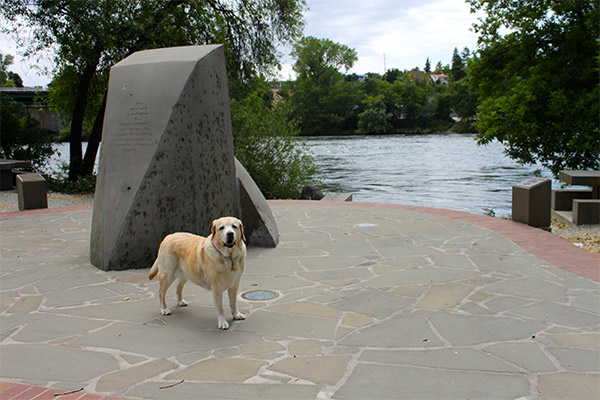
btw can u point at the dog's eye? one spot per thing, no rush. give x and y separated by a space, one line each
234 226
221 228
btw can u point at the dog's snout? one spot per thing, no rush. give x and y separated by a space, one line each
230 236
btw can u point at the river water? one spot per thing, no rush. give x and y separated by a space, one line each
440 170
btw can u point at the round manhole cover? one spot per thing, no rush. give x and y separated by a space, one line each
259 295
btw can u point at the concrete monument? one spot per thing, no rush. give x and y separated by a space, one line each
167 160
259 224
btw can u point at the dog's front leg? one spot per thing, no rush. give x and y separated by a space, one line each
232 292
218 298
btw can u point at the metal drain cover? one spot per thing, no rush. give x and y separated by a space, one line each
259 295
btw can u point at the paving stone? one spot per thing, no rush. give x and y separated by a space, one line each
559 314
261 348
504 303
304 347
127 337
317 369
530 288
458 359
410 290
423 276
526 355
353 319
54 327
26 304
314 310
481 329
219 369
401 331
131 376
192 390
399 382
585 360
289 325
576 339
53 363
569 385
373 302
444 297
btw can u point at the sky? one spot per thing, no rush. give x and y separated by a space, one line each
385 34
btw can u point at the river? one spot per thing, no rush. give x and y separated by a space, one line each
440 170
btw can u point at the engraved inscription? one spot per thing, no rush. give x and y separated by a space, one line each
135 130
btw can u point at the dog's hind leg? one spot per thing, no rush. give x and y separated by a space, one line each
218 298
180 301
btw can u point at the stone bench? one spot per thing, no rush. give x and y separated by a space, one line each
562 199
586 212
337 197
32 191
531 202
6 171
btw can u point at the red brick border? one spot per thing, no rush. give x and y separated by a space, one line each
537 242
19 391
544 245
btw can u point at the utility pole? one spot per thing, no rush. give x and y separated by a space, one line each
384 66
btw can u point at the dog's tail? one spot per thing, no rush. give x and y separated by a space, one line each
153 270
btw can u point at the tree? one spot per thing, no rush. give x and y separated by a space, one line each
318 62
91 36
320 59
21 136
375 119
427 66
265 143
538 83
457 69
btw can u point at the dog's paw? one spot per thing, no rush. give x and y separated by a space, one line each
165 311
239 316
182 303
222 323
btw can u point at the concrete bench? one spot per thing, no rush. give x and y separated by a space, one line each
338 197
586 212
6 172
531 202
562 199
32 191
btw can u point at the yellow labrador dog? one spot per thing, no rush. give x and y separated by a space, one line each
216 263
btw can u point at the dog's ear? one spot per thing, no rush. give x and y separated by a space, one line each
242 231
213 229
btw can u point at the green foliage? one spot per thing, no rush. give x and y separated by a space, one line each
325 102
90 36
265 143
538 84
22 138
61 182
375 119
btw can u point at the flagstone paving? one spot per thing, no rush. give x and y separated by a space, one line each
373 302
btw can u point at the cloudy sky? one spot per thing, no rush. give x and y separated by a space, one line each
405 31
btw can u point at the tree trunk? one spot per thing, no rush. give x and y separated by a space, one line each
95 137
75 158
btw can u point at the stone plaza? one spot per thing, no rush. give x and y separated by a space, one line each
371 301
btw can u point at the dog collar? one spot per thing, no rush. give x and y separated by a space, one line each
218 251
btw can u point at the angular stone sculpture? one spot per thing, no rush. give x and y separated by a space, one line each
167 154
259 224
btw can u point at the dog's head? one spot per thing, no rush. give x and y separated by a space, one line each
228 232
